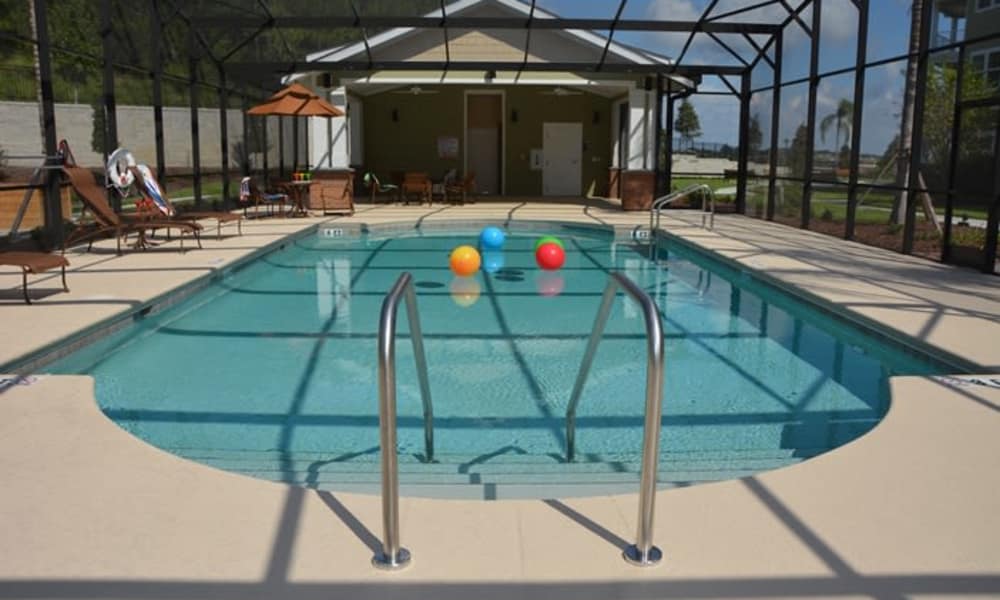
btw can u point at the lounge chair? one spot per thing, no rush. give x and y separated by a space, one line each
252 195
107 221
34 263
194 215
377 187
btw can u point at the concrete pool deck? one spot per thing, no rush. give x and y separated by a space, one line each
908 510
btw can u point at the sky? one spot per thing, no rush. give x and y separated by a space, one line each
888 36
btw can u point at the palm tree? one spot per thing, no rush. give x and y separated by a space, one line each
842 119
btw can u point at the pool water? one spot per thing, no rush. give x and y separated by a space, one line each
271 371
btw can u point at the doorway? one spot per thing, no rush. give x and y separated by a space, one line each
562 145
484 140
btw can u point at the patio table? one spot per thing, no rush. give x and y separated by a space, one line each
296 191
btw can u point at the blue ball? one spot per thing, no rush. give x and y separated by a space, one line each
492 261
492 238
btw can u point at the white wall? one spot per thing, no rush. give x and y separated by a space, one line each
20 134
642 129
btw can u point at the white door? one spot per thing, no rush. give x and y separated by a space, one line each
562 145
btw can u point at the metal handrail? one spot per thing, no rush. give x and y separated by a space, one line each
658 204
707 205
643 552
393 556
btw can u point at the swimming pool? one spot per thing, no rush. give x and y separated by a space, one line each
270 371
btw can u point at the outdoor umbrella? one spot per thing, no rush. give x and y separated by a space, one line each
296 100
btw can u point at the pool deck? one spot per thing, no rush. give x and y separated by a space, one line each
908 510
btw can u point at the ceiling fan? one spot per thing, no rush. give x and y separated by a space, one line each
415 90
560 91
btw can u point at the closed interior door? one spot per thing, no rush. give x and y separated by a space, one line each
484 138
561 168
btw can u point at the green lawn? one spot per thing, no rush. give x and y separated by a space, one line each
713 182
874 206
210 190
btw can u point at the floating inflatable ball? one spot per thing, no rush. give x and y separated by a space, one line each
550 257
548 239
549 284
492 238
464 291
464 261
492 261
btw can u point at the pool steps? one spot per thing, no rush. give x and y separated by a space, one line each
505 475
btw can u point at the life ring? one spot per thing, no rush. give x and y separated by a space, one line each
120 165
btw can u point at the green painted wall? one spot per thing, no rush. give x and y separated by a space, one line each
410 144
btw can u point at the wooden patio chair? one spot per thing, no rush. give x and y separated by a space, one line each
34 263
462 190
418 185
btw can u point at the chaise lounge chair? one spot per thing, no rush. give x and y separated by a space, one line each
107 221
34 263
220 217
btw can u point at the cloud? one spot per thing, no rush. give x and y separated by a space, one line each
703 49
839 21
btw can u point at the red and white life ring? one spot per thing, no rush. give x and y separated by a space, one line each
120 165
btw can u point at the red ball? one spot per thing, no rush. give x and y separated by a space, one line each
550 256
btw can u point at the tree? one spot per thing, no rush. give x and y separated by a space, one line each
755 137
938 117
797 152
97 129
687 124
842 119
939 104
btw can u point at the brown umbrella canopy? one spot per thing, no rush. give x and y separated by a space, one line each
296 100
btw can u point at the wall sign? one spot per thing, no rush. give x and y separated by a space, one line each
447 146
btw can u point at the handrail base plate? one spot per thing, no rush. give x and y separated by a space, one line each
633 556
386 563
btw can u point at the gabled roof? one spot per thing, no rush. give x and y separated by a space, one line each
589 38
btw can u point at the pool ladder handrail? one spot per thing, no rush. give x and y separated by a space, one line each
393 556
643 552
707 205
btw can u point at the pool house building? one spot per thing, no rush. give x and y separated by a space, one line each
521 119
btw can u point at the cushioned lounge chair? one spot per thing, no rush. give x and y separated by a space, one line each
34 263
376 187
220 216
107 221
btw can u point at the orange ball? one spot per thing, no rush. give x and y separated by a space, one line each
464 261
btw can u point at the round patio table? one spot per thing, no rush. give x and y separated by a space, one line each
296 191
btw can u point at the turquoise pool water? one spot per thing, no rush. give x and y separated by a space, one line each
270 371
